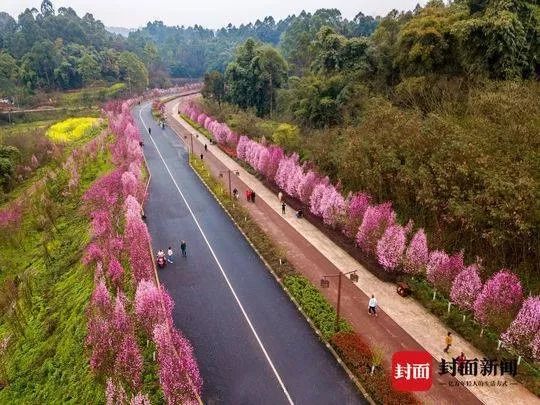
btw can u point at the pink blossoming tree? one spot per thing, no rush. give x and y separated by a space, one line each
466 287
524 328
443 269
178 372
376 219
417 254
390 247
499 300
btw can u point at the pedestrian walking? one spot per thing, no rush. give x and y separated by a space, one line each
372 306
252 196
205 147
170 255
149 130
235 193
183 248
461 360
283 206
202 156
448 342
248 194
280 196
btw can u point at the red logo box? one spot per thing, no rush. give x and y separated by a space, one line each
412 371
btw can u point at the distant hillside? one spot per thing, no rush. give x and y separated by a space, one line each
120 30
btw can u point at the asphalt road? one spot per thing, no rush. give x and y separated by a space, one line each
251 343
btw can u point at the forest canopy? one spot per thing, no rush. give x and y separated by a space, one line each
437 110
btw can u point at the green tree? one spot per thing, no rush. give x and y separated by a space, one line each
8 74
254 75
214 86
9 156
88 68
38 65
287 136
133 71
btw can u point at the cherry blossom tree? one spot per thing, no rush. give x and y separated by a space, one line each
499 300
285 168
243 143
305 186
466 287
390 247
535 346
115 271
129 362
114 394
524 328
417 254
356 205
152 305
376 219
178 372
443 269
130 184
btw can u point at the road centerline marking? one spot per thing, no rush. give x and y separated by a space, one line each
244 313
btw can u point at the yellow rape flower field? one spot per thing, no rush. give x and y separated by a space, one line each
71 129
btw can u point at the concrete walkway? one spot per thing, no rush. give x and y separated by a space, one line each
407 313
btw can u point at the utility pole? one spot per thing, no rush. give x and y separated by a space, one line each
325 283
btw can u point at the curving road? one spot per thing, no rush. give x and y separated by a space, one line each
251 343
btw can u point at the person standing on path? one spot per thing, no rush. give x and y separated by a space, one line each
205 147
252 196
235 193
283 206
170 255
248 194
448 341
372 306
183 248
280 196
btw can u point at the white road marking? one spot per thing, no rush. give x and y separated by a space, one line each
220 266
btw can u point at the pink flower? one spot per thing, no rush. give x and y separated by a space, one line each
356 205
152 305
114 395
129 184
129 362
140 399
101 223
376 219
466 287
101 298
391 246
121 321
524 329
417 254
499 300
115 270
442 269
178 371
305 186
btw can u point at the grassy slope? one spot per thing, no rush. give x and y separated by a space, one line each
47 364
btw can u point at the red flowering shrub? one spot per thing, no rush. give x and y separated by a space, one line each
358 356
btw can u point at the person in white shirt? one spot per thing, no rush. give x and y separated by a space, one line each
160 253
372 306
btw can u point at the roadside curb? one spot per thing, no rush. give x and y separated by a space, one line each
338 358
